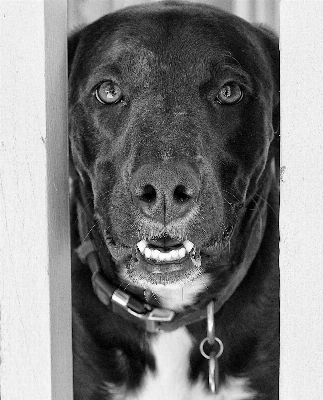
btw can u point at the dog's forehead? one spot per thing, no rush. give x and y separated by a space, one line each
163 39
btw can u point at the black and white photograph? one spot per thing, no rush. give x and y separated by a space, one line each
160 200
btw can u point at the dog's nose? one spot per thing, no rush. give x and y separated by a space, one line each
165 192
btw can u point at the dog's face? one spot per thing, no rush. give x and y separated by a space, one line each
171 123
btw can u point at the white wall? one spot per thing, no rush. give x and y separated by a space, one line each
260 11
301 214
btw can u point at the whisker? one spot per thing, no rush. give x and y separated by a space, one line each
83 208
155 297
231 194
126 287
91 229
263 199
207 288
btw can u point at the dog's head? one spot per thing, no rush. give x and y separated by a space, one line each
173 112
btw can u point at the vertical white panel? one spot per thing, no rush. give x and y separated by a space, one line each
258 11
57 200
261 9
244 9
264 10
265 13
86 11
35 256
301 215
277 16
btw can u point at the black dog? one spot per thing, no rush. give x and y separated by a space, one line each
174 138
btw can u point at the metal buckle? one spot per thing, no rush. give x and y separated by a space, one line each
120 297
152 317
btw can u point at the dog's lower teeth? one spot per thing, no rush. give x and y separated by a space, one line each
164 256
155 254
181 253
167 256
142 245
173 255
188 245
147 252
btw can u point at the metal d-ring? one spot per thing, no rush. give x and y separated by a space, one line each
219 341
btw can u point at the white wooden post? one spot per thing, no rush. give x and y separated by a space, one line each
301 214
258 11
35 251
244 9
265 13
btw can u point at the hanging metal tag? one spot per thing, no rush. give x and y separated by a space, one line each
213 372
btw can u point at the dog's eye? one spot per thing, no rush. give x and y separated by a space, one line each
230 93
108 92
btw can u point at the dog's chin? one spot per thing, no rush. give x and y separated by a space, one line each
172 285
150 275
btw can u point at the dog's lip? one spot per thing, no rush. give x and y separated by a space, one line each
118 251
139 272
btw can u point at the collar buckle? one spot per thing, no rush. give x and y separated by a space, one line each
152 317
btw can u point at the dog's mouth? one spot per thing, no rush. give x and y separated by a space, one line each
171 266
178 263
167 260
158 261
156 253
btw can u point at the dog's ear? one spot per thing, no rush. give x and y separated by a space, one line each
73 41
270 44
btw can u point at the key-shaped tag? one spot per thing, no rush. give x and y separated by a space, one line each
213 372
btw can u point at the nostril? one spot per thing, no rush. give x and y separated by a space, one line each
181 195
148 194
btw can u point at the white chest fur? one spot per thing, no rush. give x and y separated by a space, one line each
170 380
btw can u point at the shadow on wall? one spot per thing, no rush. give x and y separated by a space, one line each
83 12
